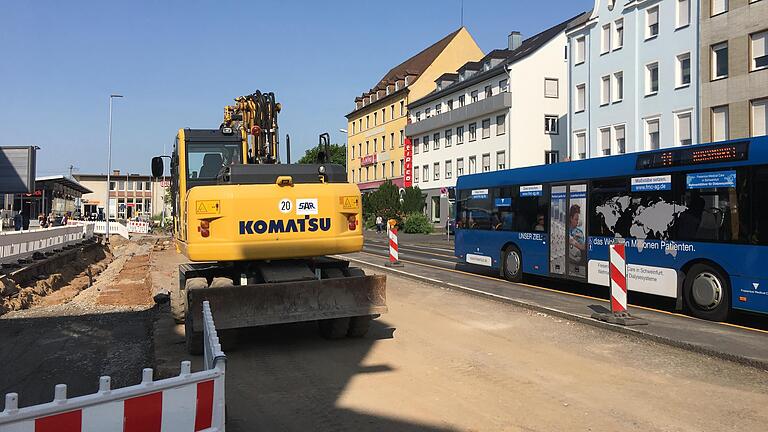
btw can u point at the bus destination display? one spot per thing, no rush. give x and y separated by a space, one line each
694 155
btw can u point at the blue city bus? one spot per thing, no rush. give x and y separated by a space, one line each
692 219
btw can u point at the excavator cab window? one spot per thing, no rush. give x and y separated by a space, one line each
205 161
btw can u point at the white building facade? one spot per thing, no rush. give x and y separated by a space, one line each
507 110
633 69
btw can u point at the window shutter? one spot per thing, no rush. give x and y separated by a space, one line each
619 133
581 141
759 117
605 139
653 17
684 127
759 47
653 127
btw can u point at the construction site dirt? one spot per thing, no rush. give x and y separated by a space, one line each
439 360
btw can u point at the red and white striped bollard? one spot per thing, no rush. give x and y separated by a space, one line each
394 256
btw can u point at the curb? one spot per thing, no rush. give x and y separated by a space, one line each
745 361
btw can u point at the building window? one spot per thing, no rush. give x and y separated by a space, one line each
503 85
618 34
375 119
449 104
618 136
383 170
383 115
402 108
392 112
759 117
719 60
427 113
683 129
718 7
652 22
436 170
402 140
416 175
551 156
683 13
501 125
551 124
436 140
486 128
605 141
580 139
359 174
605 39
448 169
459 135
683 73
472 131
448 137
111 185
360 124
551 88
651 79
461 100
425 141
367 121
416 146
652 141
618 87
438 108
581 94
425 173
758 51
501 160
392 168
578 56
375 145
392 141
148 186
720 130
472 164
353 152
488 91
383 143
459 167
486 162
605 90
418 115
402 166
473 96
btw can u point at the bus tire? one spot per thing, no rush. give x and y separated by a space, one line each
707 293
512 264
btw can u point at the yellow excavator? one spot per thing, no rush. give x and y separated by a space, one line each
258 233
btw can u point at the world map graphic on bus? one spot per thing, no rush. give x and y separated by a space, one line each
641 219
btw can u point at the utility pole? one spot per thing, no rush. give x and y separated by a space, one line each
109 163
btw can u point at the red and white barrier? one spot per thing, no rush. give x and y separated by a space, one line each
394 255
138 227
187 402
618 271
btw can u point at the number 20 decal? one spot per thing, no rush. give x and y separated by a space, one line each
285 205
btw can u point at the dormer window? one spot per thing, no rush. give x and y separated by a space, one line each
487 65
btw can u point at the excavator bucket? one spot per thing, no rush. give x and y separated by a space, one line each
287 302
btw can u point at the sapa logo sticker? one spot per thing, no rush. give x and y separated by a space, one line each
306 206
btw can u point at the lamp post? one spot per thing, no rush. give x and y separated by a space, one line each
109 162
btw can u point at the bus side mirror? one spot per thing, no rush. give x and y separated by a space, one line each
157 166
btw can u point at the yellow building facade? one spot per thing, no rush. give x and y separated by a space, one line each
376 128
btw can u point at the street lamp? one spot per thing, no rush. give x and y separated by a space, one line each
109 162
346 151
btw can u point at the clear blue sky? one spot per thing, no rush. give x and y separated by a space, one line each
179 62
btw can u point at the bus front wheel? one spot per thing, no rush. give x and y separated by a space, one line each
707 293
512 267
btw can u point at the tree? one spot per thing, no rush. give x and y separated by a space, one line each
413 200
338 155
385 202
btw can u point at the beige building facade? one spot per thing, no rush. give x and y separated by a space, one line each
131 196
734 69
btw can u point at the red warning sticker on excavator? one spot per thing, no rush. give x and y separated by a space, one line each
207 207
350 202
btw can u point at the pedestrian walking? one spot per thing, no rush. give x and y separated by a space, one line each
379 223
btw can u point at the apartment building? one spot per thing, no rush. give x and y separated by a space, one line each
634 77
734 65
506 110
376 127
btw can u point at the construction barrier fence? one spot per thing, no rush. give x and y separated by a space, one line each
17 245
191 401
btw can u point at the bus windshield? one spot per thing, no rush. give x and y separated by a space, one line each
206 160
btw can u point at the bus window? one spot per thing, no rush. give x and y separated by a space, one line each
712 213
476 209
759 234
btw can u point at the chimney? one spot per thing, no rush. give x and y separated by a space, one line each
115 172
515 39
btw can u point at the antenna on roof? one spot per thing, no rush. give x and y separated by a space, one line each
462 13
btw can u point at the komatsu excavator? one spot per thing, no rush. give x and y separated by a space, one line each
259 232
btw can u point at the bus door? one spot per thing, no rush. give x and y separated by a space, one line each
568 231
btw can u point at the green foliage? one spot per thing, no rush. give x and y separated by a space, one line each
338 155
385 202
417 223
413 200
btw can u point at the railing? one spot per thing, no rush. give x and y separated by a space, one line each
114 228
18 245
191 401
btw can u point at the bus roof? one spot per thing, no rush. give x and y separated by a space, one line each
603 167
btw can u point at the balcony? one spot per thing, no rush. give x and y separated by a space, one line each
460 115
